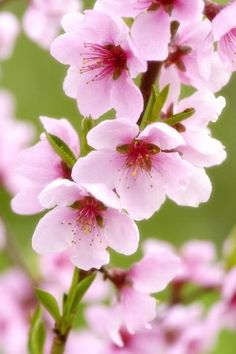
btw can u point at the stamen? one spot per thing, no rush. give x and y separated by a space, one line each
107 60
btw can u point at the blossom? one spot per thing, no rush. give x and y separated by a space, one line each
14 136
224 32
200 148
40 165
85 221
144 167
41 20
150 275
103 60
153 17
9 29
192 55
198 262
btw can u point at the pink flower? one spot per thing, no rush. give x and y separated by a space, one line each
102 59
42 18
199 264
224 32
144 166
40 165
151 275
153 16
192 55
9 29
14 136
84 221
200 148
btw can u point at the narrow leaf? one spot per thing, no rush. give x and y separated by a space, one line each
37 334
159 104
179 117
62 150
87 125
82 289
49 302
149 108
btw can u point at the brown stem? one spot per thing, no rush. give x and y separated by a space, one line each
59 342
148 80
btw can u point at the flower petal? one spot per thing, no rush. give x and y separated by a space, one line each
151 32
52 231
111 133
138 309
121 232
154 271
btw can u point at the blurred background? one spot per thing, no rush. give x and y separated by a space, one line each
36 80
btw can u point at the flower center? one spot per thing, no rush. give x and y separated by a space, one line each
89 215
176 54
139 155
104 61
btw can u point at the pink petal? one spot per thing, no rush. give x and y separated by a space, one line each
188 10
138 309
39 163
26 201
94 95
67 49
162 135
197 190
90 169
121 232
141 195
64 130
120 7
151 32
209 153
86 257
102 193
154 271
111 133
224 21
50 234
61 192
174 171
126 98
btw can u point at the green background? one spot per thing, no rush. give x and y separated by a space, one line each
36 81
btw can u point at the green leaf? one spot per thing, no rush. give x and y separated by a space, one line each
179 117
149 108
49 302
154 106
62 150
37 334
87 125
158 105
82 289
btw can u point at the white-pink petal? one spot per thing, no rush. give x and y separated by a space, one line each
155 271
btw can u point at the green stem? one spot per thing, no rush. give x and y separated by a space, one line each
80 283
62 329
